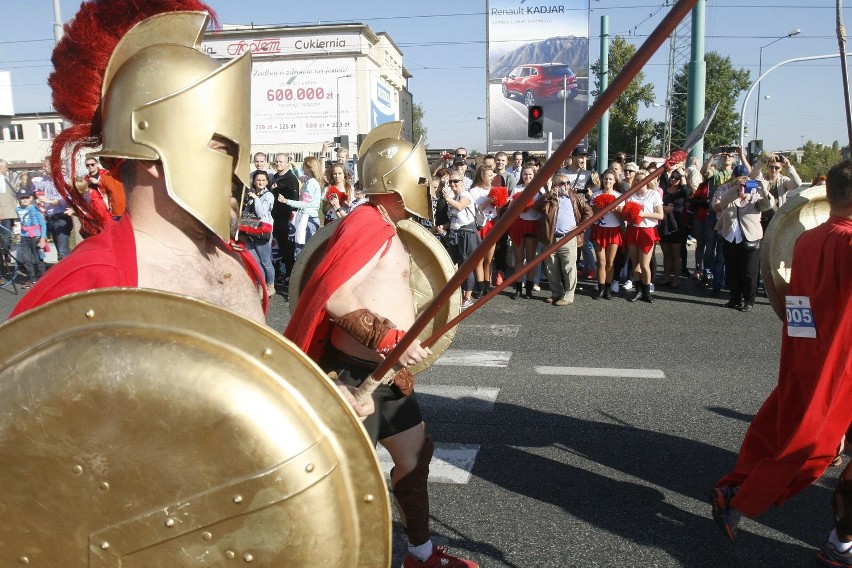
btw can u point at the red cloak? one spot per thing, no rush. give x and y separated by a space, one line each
357 239
795 434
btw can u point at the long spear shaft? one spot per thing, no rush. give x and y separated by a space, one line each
585 124
844 71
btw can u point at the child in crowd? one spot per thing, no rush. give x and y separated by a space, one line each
33 230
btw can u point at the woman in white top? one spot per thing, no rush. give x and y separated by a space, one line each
641 237
462 236
306 220
479 190
606 235
524 233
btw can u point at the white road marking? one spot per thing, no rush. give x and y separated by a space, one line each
473 358
599 372
451 463
470 399
495 330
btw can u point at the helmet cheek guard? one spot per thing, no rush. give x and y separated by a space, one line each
164 99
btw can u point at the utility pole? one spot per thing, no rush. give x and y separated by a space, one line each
697 76
603 123
57 21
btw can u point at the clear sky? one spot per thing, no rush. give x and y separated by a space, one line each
443 42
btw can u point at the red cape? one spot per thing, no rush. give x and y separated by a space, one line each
356 240
796 432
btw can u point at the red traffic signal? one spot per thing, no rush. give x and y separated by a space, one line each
535 125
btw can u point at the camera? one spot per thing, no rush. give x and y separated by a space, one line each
751 185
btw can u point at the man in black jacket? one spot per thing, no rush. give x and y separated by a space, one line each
283 182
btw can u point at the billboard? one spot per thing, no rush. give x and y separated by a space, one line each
297 101
537 54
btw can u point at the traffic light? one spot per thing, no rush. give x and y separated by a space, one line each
535 127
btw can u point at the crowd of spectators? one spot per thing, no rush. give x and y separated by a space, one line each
722 207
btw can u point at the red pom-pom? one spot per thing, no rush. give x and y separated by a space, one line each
631 212
499 196
332 190
603 200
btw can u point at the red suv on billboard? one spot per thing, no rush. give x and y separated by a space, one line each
540 82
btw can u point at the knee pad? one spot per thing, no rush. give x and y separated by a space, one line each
412 496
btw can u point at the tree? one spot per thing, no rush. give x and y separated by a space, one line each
626 132
417 127
817 159
723 85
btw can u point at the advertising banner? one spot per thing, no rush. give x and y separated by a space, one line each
537 54
297 101
381 102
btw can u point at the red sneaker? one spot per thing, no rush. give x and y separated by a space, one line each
439 559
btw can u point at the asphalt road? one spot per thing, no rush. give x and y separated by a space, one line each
548 466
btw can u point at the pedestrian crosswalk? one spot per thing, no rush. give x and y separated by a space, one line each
452 462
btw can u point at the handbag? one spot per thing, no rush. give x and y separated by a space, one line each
254 228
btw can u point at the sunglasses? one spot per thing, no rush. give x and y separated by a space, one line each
91 165
461 155
561 183
774 167
455 181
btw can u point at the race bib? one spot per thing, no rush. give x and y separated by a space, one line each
800 317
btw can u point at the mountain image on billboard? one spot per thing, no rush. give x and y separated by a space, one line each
531 63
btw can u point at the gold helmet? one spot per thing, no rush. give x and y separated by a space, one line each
164 99
389 164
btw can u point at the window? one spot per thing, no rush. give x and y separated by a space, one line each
16 132
47 130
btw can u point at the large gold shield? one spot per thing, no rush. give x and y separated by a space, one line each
431 269
146 429
800 212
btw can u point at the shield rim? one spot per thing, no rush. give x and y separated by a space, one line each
129 309
780 238
413 234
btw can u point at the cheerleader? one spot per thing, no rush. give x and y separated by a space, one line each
524 233
606 234
642 211
488 209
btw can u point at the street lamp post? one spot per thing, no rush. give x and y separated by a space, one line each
756 84
338 102
792 33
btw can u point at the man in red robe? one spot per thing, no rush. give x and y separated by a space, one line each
796 433
357 306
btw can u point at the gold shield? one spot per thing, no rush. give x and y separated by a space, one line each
431 269
799 213
146 429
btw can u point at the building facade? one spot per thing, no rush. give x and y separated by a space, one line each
25 138
315 84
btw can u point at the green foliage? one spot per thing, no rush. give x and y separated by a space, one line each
626 132
723 85
817 159
417 126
